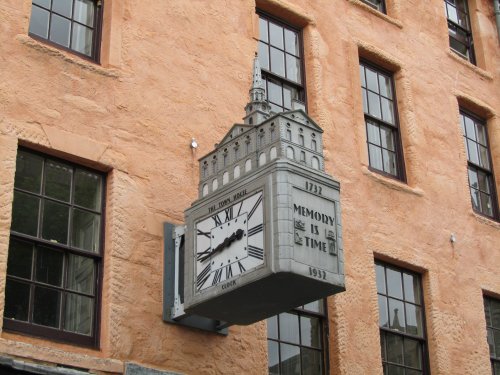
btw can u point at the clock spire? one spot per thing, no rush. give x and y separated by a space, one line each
257 109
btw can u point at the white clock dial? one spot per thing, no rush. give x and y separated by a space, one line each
230 242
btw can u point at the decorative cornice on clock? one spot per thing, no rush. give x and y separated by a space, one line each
264 137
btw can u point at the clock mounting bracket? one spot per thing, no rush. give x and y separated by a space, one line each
173 292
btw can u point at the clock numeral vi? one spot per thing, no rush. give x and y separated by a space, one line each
256 252
217 276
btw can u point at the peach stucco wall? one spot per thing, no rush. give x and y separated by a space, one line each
173 70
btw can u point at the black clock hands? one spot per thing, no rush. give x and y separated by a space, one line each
236 236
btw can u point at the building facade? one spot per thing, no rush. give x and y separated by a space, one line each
100 103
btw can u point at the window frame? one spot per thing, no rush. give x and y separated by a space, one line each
490 173
491 328
386 330
381 9
30 328
324 332
396 128
467 31
267 73
95 56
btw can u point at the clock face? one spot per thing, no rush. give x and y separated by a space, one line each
230 242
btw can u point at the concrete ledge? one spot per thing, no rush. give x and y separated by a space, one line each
66 56
377 13
53 357
392 183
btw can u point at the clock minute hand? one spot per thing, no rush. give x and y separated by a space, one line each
238 235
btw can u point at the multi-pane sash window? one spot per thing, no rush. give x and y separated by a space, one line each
72 24
376 4
382 129
280 57
55 250
401 321
459 28
492 311
481 180
296 343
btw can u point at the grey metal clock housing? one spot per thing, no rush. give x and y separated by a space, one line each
265 234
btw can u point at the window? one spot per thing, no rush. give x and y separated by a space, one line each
280 57
481 180
401 321
71 24
55 251
459 28
376 4
492 312
296 340
382 129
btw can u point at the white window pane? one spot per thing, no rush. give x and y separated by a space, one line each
59 30
82 39
375 154
387 110
79 311
276 35
293 69
371 80
63 7
84 12
374 104
263 30
39 22
277 62
263 56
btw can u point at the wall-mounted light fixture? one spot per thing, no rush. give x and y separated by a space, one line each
194 144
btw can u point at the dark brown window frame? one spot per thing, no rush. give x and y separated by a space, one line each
495 360
490 173
96 39
323 318
381 9
300 87
396 128
452 25
384 330
55 334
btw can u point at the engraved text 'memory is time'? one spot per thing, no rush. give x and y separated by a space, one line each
315 215
228 200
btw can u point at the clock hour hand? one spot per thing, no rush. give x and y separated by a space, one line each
238 235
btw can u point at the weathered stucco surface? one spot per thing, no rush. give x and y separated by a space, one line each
180 69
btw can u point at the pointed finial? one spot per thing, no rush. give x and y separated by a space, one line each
257 108
257 76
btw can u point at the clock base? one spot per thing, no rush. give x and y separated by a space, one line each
264 298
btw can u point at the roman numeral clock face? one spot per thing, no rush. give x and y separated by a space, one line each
230 242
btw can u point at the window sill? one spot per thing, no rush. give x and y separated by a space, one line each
392 183
12 344
486 220
483 73
66 56
377 13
